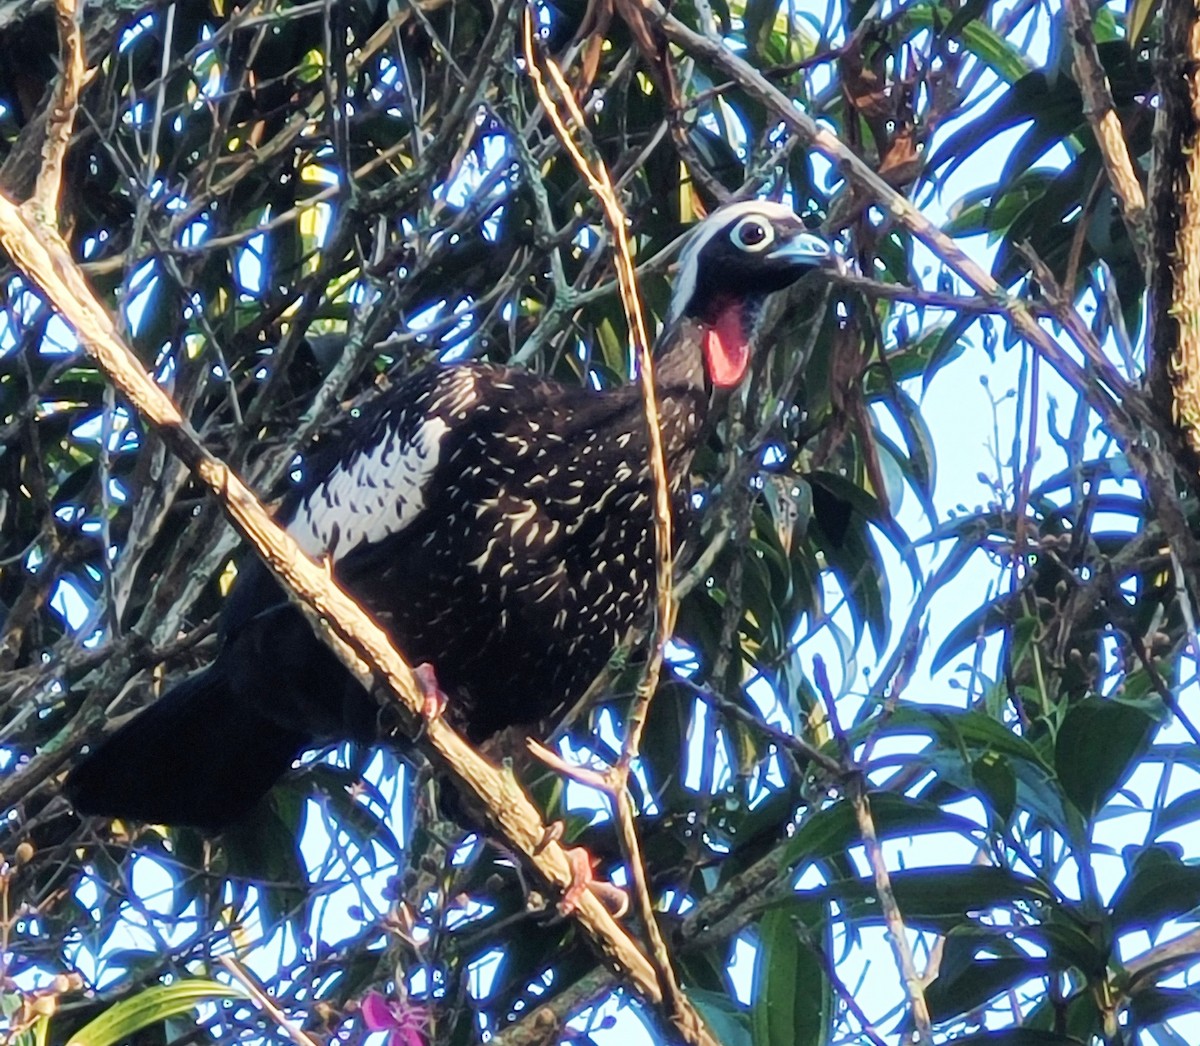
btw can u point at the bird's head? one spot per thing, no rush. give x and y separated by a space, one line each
732 260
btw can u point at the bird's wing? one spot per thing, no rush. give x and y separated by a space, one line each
379 481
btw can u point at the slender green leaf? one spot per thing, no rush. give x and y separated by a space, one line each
793 1002
834 829
728 1024
1160 886
149 1006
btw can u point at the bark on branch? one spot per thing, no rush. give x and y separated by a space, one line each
1175 302
1106 126
359 642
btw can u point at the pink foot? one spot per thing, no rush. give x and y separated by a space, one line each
433 703
581 879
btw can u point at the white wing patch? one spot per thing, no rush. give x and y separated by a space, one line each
380 489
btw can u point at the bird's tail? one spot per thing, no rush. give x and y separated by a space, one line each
197 756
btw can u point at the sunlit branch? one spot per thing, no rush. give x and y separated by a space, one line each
354 636
1102 115
63 106
893 918
265 1003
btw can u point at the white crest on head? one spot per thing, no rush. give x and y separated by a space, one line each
378 490
703 234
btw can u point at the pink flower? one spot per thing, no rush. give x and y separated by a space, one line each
405 1022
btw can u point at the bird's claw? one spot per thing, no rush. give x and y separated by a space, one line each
433 698
583 878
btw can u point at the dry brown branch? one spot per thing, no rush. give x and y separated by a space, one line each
357 640
892 917
1175 198
63 107
1102 115
1164 959
544 1024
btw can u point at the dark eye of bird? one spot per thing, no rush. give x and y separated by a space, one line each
750 234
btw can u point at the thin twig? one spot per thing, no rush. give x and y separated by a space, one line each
683 1016
897 934
893 919
1162 960
265 1003
847 997
599 181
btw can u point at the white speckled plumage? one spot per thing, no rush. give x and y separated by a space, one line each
497 523
378 488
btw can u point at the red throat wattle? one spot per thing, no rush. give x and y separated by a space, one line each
726 348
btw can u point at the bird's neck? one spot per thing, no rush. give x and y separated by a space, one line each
683 393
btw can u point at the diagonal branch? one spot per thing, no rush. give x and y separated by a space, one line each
893 918
356 639
265 1003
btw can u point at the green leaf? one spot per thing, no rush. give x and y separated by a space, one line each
1077 1017
727 1023
975 983
363 826
1155 1005
957 730
977 624
937 898
992 210
1071 942
793 1003
1160 886
1096 748
156 1003
1183 810
1002 57
996 781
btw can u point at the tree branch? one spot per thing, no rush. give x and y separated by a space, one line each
1175 308
683 1016
61 120
1106 126
356 639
